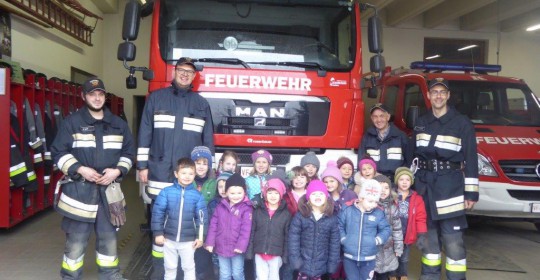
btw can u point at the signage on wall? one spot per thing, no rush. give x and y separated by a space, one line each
5 35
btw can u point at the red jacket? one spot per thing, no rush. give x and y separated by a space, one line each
292 205
417 218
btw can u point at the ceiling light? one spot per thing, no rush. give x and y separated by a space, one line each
433 56
533 27
467 47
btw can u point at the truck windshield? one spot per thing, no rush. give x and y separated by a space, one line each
493 103
321 32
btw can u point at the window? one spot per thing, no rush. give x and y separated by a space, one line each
414 97
390 97
455 50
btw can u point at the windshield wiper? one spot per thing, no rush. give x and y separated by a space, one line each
321 72
235 61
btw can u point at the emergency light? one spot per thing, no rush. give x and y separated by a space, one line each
441 66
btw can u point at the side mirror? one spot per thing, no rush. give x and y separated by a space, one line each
131 82
412 117
126 51
130 27
377 63
375 35
148 75
372 92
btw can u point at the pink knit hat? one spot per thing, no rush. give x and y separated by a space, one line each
332 171
367 160
261 153
275 184
316 186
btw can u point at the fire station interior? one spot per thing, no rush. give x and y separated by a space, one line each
44 62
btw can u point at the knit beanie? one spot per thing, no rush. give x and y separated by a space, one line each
280 174
403 171
261 153
316 186
367 160
202 152
236 180
383 179
344 160
310 158
371 189
224 176
332 171
275 184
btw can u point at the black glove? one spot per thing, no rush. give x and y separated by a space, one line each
422 242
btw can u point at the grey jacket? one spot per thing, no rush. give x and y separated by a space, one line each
386 257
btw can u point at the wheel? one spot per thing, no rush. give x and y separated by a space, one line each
537 225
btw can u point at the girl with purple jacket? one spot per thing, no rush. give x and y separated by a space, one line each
230 228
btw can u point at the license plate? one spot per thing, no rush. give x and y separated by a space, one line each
535 208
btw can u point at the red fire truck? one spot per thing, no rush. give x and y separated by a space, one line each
283 75
506 116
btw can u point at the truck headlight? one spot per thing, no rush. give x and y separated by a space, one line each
485 167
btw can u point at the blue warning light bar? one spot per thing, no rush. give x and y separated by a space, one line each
441 66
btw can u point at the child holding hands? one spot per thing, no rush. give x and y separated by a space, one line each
177 212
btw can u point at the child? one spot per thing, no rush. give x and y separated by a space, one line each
346 167
312 164
334 184
227 162
387 258
367 169
362 228
299 182
175 228
262 160
314 235
205 178
412 213
229 230
269 232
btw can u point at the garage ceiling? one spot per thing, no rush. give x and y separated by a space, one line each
503 15
470 15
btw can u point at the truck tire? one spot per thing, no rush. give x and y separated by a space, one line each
537 225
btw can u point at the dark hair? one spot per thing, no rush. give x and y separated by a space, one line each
185 163
298 171
304 207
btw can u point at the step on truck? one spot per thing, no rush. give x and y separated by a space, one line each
506 117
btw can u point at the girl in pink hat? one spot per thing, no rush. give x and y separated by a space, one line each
262 160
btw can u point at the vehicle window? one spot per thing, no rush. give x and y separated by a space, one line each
414 97
390 97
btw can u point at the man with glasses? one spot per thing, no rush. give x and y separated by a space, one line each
175 120
447 178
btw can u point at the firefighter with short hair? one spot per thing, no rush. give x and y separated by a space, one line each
447 178
93 148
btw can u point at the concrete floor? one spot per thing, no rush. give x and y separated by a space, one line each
34 248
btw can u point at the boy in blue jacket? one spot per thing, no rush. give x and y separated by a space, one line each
179 217
362 227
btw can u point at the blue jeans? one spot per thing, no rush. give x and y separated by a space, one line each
231 267
359 270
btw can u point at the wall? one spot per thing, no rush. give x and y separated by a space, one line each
519 52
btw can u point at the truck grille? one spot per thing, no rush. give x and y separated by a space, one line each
277 159
525 195
520 170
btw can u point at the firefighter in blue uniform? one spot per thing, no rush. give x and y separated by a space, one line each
385 143
175 120
447 178
93 148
